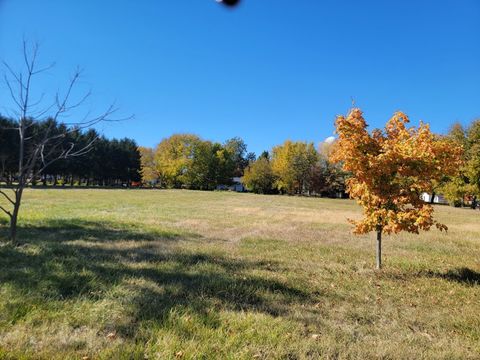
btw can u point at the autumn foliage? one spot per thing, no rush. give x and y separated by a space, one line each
390 168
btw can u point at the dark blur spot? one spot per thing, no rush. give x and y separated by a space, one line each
230 3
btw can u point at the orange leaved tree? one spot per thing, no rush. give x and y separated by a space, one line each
389 170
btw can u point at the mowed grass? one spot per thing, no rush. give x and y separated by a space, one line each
118 274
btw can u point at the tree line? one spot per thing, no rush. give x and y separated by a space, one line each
102 161
187 161
296 168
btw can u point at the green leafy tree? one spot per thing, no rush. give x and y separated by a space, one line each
149 172
259 177
241 158
466 184
185 160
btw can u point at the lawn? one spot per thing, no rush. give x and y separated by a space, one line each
164 274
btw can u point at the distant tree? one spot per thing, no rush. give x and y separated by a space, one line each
466 183
102 163
328 179
456 189
472 161
185 160
292 163
9 147
223 165
259 177
173 157
204 169
127 162
318 178
250 157
325 148
109 162
265 154
458 134
149 172
90 163
390 169
238 150
336 179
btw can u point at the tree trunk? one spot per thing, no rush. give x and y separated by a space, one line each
432 199
379 248
13 228
14 216
474 203
21 179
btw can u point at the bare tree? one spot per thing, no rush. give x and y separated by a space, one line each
39 149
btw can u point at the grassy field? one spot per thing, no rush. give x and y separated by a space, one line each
118 274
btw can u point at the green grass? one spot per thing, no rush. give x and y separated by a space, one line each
118 274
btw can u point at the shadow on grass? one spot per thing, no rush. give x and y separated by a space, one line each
461 275
63 260
59 230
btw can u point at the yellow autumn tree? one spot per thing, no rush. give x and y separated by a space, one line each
389 169
292 163
174 156
149 172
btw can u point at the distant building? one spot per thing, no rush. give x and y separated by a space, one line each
437 199
236 185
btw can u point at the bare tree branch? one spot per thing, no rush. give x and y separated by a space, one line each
6 211
12 95
12 73
7 197
44 69
41 147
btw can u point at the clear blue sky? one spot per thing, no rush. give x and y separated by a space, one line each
268 71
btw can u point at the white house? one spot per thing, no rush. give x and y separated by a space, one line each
438 199
236 185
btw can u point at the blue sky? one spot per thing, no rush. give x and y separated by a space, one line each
267 71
